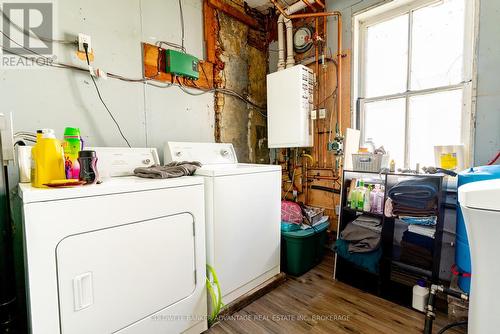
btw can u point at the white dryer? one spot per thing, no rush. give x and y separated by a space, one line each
243 215
126 256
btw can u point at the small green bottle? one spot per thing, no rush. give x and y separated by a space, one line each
361 196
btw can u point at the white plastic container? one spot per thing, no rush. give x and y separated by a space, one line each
369 162
450 157
420 296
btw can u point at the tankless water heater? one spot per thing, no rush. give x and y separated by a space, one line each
289 107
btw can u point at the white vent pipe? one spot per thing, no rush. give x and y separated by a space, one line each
282 22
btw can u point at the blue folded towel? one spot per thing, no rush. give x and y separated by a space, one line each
369 261
414 192
425 221
419 240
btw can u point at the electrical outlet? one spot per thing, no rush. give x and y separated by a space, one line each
82 38
313 114
322 113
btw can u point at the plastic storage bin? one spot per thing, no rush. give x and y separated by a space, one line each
302 250
369 162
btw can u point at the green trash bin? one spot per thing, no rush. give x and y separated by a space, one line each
303 249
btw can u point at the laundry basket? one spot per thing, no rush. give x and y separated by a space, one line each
369 162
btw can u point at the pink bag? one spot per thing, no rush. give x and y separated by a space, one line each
291 212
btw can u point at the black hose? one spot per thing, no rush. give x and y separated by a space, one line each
453 324
327 189
429 316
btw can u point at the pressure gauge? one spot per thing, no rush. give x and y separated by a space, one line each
303 39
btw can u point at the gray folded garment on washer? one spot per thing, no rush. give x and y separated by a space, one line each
171 170
360 239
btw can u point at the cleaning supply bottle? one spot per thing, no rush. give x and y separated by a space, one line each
377 199
73 144
392 166
361 195
353 203
420 296
47 159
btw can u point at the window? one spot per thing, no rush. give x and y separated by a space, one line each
413 77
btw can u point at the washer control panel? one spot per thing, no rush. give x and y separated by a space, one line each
206 153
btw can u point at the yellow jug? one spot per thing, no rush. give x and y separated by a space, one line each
47 159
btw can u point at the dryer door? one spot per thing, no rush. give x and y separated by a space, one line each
110 277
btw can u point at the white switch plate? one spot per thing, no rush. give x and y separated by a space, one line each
322 113
83 38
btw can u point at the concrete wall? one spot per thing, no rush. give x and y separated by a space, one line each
487 133
149 116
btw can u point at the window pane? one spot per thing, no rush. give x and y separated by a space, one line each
385 124
386 57
435 119
438 45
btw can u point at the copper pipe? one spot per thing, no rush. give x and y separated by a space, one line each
339 53
304 179
326 168
319 2
317 152
325 80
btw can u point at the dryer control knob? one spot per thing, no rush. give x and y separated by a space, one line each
224 153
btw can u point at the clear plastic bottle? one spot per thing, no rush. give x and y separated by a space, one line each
378 199
366 203
353 200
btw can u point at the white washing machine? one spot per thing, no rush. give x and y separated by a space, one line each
480 203
126 256
243 215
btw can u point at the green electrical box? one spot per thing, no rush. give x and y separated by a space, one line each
181 64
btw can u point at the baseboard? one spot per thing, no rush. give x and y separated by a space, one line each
253 295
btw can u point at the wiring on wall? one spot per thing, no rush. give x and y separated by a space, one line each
183 29
181 14
86 47
148 81
194 91
293 174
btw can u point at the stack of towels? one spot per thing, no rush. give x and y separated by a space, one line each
417 245
359 242
415 197
417 250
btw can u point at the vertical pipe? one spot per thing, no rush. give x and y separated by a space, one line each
316 104
325 80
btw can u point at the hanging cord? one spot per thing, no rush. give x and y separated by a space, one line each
492 161
216 299
86 47
452 325
181 13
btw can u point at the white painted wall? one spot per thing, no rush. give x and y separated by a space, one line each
487 132
149 116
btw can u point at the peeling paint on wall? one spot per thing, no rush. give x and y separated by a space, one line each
245 70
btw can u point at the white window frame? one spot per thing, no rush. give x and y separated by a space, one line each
361 21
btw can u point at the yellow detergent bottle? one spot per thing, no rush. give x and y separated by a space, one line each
47 159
